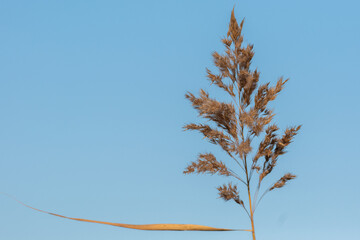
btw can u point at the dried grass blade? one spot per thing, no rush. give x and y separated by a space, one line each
150 227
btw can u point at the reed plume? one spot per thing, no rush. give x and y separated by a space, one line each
234 125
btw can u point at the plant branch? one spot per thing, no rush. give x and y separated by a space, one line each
247 212
261 198
232 173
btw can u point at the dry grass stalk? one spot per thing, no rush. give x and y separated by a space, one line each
236 124
149 227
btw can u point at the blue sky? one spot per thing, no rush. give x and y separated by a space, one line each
92 108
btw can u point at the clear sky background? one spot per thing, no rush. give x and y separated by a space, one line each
92 107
